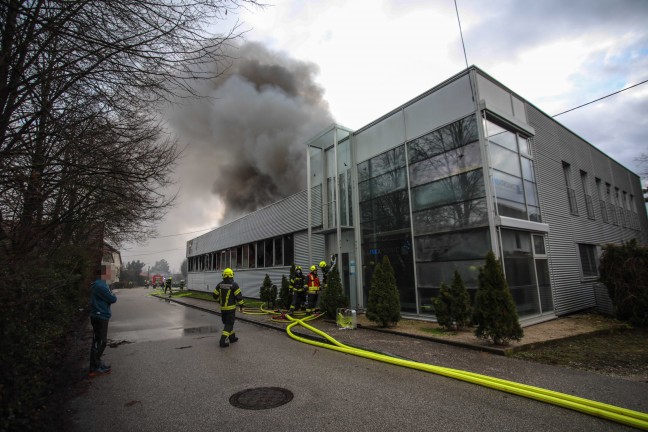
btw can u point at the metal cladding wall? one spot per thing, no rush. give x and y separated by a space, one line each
553 144
283 217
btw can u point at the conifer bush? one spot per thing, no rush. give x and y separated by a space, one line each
624 271
332 296
266 293
284 293
383 304
495 313
452 306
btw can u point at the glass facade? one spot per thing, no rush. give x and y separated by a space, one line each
385 221
449 210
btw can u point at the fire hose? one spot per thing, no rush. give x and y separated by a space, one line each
609 412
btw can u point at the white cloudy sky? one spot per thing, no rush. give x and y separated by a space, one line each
371 56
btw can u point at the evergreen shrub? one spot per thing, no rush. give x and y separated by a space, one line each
383 304
494 312
452 306
332 296
624 271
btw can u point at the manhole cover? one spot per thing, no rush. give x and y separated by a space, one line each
261 398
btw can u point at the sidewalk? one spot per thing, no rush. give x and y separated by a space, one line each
367 332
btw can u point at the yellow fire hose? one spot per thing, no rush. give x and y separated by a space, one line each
609 412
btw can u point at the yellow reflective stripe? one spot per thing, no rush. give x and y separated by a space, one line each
226 334
227 297
230 307
237 292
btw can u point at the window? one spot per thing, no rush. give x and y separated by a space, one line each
589 260
619 207
611 212
539 245
268 253
260 254
289 248
586 193
633 210
278 249
571 194
601 197
252 256
513 174
244 256
239 257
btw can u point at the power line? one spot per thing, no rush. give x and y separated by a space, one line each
179 234
151 253
461 34
601 98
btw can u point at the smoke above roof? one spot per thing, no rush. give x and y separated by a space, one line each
246 137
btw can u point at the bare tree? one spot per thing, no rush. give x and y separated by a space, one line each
80 82
84 154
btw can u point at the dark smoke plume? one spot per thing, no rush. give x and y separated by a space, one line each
246 139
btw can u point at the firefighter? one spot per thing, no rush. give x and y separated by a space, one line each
167 285
326 269
229 295
298 290
313 286
182 284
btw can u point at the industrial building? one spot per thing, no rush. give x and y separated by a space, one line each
467 167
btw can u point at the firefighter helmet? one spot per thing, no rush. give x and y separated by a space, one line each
228 273
313 268
322 264
298 268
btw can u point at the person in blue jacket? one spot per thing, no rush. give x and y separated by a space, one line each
101 297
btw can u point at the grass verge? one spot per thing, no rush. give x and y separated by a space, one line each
622 353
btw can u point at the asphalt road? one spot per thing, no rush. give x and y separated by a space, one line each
170 375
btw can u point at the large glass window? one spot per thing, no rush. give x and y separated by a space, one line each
385 222
513 175
382 163
453 246
463 187
454 162
456 216
527 271
445 139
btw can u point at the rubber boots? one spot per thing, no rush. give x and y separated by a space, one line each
223 342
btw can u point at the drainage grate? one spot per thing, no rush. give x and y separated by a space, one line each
261 398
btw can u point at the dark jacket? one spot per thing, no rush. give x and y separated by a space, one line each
101 297
228 294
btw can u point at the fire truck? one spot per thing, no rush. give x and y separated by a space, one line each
157 280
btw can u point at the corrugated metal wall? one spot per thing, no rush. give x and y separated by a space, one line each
283 217
552 145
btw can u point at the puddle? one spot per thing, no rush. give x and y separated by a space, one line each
198 330
115 344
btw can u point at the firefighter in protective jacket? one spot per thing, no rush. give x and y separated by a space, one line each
326 269
313 284
298 290
229 295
